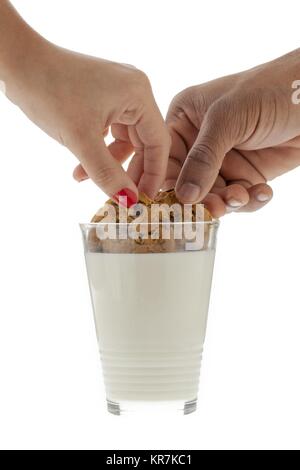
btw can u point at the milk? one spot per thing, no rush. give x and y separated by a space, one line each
150 313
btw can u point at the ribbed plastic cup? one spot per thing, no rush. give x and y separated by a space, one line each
150 308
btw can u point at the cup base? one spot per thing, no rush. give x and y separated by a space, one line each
152 407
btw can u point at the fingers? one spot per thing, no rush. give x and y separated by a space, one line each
152 144
79 173
99 164
178 153
259 195
120 151
234 196
225 199
237 198
205 158
215 204
136 167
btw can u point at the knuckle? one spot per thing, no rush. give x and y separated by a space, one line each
132 113
203 154
236 114
219 111
139 82
103 176
185 95
137 93
153 172
199 99
178 105
190 103
142 77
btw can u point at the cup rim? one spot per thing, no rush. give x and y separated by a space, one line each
213 222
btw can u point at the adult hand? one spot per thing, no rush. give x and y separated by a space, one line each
230 136
76 98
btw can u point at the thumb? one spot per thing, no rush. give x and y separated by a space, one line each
99 164
216 137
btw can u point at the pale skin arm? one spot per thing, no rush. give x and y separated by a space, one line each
76 98
232 135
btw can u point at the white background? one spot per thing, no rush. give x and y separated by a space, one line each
51 391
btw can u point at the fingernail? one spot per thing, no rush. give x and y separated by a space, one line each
125 197
229 209
234 203
262 197
189 192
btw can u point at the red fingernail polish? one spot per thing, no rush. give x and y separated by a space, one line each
125 197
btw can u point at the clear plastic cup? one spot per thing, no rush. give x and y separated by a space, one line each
150 304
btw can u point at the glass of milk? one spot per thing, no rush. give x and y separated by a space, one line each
150 304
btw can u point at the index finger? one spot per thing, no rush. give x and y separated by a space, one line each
154 146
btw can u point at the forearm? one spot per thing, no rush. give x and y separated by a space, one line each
20 48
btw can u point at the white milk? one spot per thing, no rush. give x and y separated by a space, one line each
150 313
